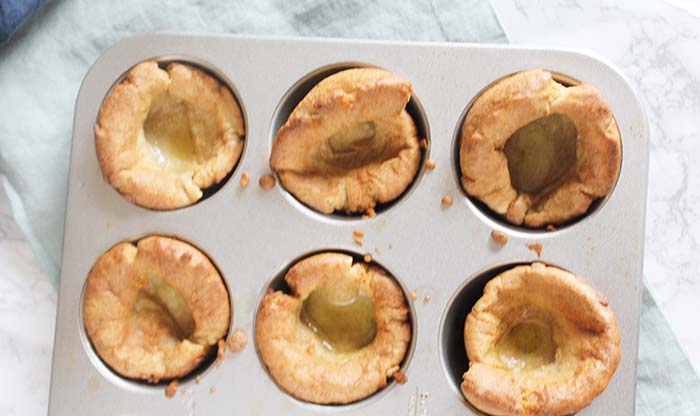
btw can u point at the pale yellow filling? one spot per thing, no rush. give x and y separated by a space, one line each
159 308
341 315
353 147
541 153
168 133
527 345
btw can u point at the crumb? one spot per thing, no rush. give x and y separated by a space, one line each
212 389
588 238
237 341
390 247
371 213
171 390
365 216
183 390
536 247
198 379
222 349
357 237
367 258
550 227
267 182
430 164
400 377
245 179
426 298
446 201
413 295
499 236
378 250
424 143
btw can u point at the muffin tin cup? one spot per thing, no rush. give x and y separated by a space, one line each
252 235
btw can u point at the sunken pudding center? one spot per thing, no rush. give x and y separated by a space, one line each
528 345
168 133
541 152
341 315
353 147
158 304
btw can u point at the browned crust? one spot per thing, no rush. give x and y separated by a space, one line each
295 356
516 101
127 163
337 102
584 329
148 350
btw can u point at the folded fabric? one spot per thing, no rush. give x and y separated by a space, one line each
13 14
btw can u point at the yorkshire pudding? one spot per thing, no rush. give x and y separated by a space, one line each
540 341
349 144
154 310
164 136
539 152
340 334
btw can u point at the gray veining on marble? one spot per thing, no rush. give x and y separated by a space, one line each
27 314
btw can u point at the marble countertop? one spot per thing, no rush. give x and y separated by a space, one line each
655 43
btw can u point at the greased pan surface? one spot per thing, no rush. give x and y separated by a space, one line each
253 235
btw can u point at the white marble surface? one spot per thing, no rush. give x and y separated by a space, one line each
656 45
27 315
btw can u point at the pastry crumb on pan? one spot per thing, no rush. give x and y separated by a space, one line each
500 237
536 247
267 182
237 341
171 389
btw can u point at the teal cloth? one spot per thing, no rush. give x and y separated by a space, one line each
42 66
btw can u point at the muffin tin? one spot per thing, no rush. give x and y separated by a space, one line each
253 236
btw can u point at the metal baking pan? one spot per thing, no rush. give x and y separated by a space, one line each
253 235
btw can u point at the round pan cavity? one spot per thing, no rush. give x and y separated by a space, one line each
297 93
453 354
498 221
224 82
140 385
278 283
587 327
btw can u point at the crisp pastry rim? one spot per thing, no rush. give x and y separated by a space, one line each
179 193
534 224
279 284
291 101
601 312
194 257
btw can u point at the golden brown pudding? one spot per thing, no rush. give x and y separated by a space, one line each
163 136
539 152
154 310
340 334
540 341
349 144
